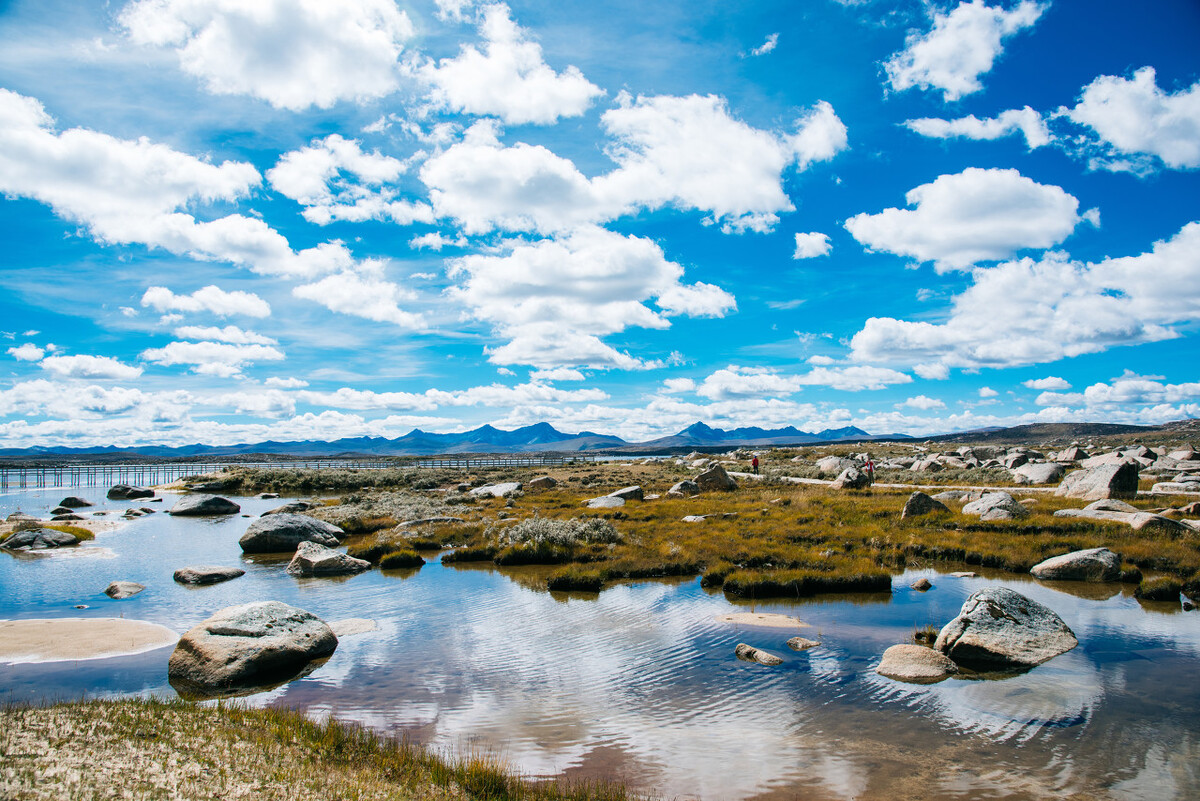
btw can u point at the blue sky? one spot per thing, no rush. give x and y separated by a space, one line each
291 219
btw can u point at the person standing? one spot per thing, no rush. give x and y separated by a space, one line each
754 464
869 467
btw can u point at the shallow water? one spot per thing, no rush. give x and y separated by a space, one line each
639 683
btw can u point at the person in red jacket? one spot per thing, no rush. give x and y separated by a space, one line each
754 464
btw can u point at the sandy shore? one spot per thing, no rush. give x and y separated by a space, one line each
767 619
71 639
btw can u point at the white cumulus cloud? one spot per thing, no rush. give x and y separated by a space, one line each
960 47
508 78
1048 383
212 358
28 352
90 367
1134 118
292 53
335 180
230 333
924 402
555 299
210 299
362 294
812 245
128 192
972 216
1036 311
1024 121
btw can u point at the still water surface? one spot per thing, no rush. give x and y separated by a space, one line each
639 683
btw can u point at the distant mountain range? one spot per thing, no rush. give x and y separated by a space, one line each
541 437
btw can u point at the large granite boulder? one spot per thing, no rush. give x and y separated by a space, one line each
250 645
833 465
1000 628
283 532
1091 564
38 539
124 492
543 482
207 574
317 560
996 506
1105 481
497 490
74 502
851 478
120 590
715 479
628 493
1039 473
921 504
204 506
916 664
1071 454
605 502
684 488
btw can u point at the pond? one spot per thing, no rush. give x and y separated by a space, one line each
640 684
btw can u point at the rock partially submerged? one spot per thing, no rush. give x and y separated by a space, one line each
1105 481
916 664
1091 564
749 653
207 574
74 502
282 532
124 492
312 559
291 508
204 506
922 584
120 590
999 628
38 539
921 504
253 644
802 643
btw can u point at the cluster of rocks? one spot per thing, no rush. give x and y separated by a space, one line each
714 479
997 629
749 653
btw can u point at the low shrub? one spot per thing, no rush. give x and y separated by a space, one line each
399 559
576 579
1163 588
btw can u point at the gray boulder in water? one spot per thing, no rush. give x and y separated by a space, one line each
38 539
124 492
204 506
1091 564
748 653
207 574
74 502
250 645
312 559
1001 628
282 532
120 590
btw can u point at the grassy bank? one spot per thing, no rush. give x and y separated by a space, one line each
153 749
769 538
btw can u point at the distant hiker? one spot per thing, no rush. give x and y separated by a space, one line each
754 464
869 467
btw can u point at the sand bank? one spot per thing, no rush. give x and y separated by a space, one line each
769 620
71 639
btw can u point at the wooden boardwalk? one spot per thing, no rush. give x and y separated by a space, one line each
77 475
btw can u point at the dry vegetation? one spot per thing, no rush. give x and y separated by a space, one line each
152 749
769 538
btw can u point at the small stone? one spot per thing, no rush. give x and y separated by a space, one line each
921 584
916 664
119 590
748 653
802 643
207 574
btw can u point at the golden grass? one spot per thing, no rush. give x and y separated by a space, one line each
153 749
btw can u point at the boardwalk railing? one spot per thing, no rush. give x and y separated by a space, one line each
73 475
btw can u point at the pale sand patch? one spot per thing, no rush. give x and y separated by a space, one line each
767 619
353 625
72 639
